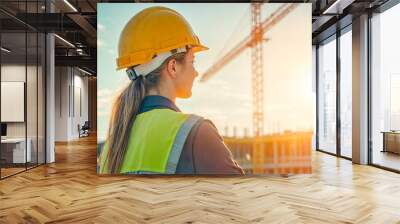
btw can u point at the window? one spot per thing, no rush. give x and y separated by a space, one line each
346 93
395 102
327 96
385 88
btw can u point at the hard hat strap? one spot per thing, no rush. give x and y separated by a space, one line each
131 74
146 68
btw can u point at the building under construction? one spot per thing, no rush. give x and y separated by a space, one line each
281 153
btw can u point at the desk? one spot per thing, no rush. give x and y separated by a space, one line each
15 148
391 141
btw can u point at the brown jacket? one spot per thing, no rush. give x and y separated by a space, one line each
204 152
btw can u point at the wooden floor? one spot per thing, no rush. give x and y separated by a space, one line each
5 172
69 191
10 171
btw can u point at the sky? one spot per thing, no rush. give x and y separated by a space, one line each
226 98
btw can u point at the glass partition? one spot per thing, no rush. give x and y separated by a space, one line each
22 90
14 154
31 98
41 109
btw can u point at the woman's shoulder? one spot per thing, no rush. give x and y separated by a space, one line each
204 129
206 124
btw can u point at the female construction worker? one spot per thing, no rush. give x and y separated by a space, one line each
148 134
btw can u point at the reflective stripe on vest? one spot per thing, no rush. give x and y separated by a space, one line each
156 142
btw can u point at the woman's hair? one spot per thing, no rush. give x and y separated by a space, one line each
124 111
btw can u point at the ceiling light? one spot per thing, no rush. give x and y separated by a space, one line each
338 6
5 50
64 40
84 71
331 7
70 5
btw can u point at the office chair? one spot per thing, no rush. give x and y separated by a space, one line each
84 130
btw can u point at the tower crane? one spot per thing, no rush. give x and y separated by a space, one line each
255 41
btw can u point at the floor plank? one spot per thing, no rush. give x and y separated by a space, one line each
69 191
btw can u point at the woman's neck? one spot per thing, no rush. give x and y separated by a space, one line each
165 92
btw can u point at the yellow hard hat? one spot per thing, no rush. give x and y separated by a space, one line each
152 31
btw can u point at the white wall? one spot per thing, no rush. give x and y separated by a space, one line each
70 84
61 103
81 89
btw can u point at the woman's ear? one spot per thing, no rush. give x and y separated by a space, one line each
172 68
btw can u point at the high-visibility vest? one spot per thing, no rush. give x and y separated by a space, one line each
155 142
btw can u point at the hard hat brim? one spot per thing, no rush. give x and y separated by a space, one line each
196 48
199 48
